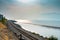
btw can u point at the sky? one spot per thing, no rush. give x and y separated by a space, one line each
30 9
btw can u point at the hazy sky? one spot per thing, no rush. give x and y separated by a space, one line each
31 9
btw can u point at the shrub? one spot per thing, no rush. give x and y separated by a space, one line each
52 38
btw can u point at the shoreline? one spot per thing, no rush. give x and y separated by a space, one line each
39 34
36 34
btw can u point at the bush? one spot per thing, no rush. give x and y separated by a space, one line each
3 20
52 38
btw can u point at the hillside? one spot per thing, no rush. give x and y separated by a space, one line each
6 34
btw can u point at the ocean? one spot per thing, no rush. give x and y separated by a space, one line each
43 31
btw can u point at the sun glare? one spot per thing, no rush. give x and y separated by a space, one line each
24 1
24 21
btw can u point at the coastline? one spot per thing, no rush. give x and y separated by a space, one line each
34 31
38 35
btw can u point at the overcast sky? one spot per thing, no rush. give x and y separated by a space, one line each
36 9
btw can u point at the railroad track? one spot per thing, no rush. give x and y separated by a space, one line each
23 32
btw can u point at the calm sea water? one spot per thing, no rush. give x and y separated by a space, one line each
47 22
44 31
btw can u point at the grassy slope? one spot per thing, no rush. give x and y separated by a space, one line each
6 34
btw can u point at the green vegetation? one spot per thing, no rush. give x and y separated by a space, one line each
36 34
52 38
3 20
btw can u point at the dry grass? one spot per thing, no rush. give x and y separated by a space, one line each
2 26
6 34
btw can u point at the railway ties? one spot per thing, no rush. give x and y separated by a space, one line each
23 32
